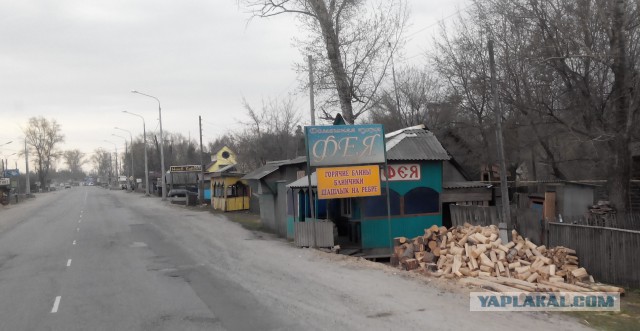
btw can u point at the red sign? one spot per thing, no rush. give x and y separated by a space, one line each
404 172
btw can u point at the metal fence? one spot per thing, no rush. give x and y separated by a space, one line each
610 255
303 236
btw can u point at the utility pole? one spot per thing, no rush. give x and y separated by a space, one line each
26 162
201 181
497 109
311 102
395 86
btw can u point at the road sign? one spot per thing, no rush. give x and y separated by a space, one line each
185 168
348 182
5 181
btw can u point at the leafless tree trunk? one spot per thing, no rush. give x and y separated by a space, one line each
43 136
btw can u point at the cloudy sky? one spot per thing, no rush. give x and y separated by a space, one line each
76 61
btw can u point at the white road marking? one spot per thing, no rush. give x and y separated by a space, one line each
74 242
55 305
77 229
79 221
69 263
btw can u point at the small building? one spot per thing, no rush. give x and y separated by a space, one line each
268 184
415 158
229 191
220 159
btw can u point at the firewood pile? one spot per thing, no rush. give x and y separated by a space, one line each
478 255
601 208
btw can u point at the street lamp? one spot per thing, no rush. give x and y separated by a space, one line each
125 152
146 164
132 174
116 148
164 191
7 143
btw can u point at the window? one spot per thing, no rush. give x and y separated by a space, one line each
421 200
377 206
345 207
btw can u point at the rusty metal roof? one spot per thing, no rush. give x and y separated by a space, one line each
470 184
415 144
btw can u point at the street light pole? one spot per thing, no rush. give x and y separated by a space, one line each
164 191
146 164
116 148
133 174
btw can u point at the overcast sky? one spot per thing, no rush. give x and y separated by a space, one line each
76 61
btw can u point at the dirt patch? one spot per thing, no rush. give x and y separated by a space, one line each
246 219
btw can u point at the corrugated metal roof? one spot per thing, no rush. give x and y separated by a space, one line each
414 144
304 182
455 185
272 166
263 171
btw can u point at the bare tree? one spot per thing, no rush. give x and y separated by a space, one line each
74 159
352 42
102 167
43 136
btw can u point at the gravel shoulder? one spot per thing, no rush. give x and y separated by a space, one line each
320 290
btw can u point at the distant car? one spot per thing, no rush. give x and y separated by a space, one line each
67 186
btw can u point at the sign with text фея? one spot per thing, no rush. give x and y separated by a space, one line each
348 182
345 145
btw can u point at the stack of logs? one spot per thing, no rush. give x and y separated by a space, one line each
477 252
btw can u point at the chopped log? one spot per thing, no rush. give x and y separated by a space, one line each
397 241
519 246
483 273
511 255
542 249
529 244
443 243
480 238
442 230
455 250
408 251
437 251
484 260
566 286
434 228
419 256
521 270
474 263
465 271
441 261
580 273
556 279
394 260
502 256
510 245
533 277
432 267
478 251
428 257
432 245
528 253
552 269
463 241
486 268
520 284
601 287
457 263
514 265
411 264
493 286
493 256
500 267
524 262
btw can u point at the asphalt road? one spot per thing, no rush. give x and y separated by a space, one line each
87 258
82 260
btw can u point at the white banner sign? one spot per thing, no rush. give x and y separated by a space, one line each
5 181
404 172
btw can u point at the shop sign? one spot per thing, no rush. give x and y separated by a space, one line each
404 172
185 168
345 145
348 182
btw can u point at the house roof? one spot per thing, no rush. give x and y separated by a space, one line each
459 185
272 166
304 182
415 144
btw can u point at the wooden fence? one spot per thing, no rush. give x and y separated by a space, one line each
610 255
303 235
